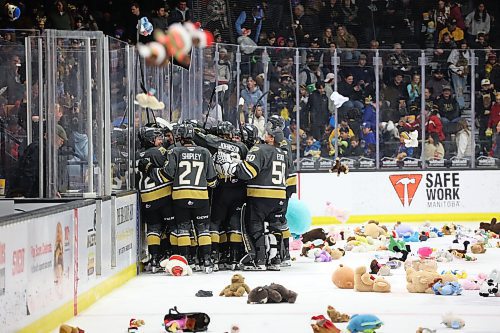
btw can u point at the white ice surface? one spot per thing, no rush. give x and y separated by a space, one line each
149 297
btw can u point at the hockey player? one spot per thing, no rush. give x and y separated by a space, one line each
156 199
227 198
266 169
249 135
191 170
283 238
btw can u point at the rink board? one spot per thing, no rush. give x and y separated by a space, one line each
57 261
435 196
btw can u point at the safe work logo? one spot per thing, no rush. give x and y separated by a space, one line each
405 186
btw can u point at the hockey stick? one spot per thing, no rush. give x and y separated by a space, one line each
217 89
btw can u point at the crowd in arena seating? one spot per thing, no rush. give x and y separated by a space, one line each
355 30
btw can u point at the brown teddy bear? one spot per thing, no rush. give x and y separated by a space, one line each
312 235
364 282
373 230
69 329
237 288
337 317
492 226
478 248
274 293
334 253
418 281
343 277
429 265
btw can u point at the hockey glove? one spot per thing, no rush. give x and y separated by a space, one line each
144 165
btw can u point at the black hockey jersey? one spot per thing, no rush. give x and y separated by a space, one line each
291 181
153 192
217 145
191 169
266 169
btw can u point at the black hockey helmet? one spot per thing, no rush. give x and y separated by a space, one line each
276 121
275 132
185 131
147 136
250 134
225 129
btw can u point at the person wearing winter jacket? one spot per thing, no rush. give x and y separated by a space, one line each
494 113
463 140
313 147
317 111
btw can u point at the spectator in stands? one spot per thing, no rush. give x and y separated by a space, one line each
11 77
327 38
369 112
311 73
495 113
456 34
430 102
414 89
456 14
395 90
495 149
477 21
132 26
448 108
436 83
257 119
368 136
344 40
302 25
398 61
329 88
350 14
463 139
433 148
331 14
492 70
443 50
484 103
160 21
312 148
459 68
347 88
59 18
181 13
354 149
434 125
224 70
317 111
364 75
343 144
327 58
251 94
441 15
217 19
294 132
404 149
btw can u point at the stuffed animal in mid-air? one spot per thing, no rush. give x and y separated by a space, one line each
339 167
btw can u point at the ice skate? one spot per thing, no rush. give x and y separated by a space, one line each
155 265
274 264
208 265
248 264
215 260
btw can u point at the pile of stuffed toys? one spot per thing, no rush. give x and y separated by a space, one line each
393 252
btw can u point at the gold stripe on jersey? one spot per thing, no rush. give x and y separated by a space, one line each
291 180
249 169
266 193
189 194
160 176
212 183
286 233
156 194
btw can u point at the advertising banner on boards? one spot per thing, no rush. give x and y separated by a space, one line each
403 193
125 230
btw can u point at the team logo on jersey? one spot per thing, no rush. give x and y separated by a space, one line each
254 148
190 203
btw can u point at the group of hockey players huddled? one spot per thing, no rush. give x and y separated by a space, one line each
216 196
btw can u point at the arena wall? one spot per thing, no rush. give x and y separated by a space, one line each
437 196
57 261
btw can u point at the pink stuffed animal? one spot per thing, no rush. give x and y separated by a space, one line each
296 245
474 283
425 252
